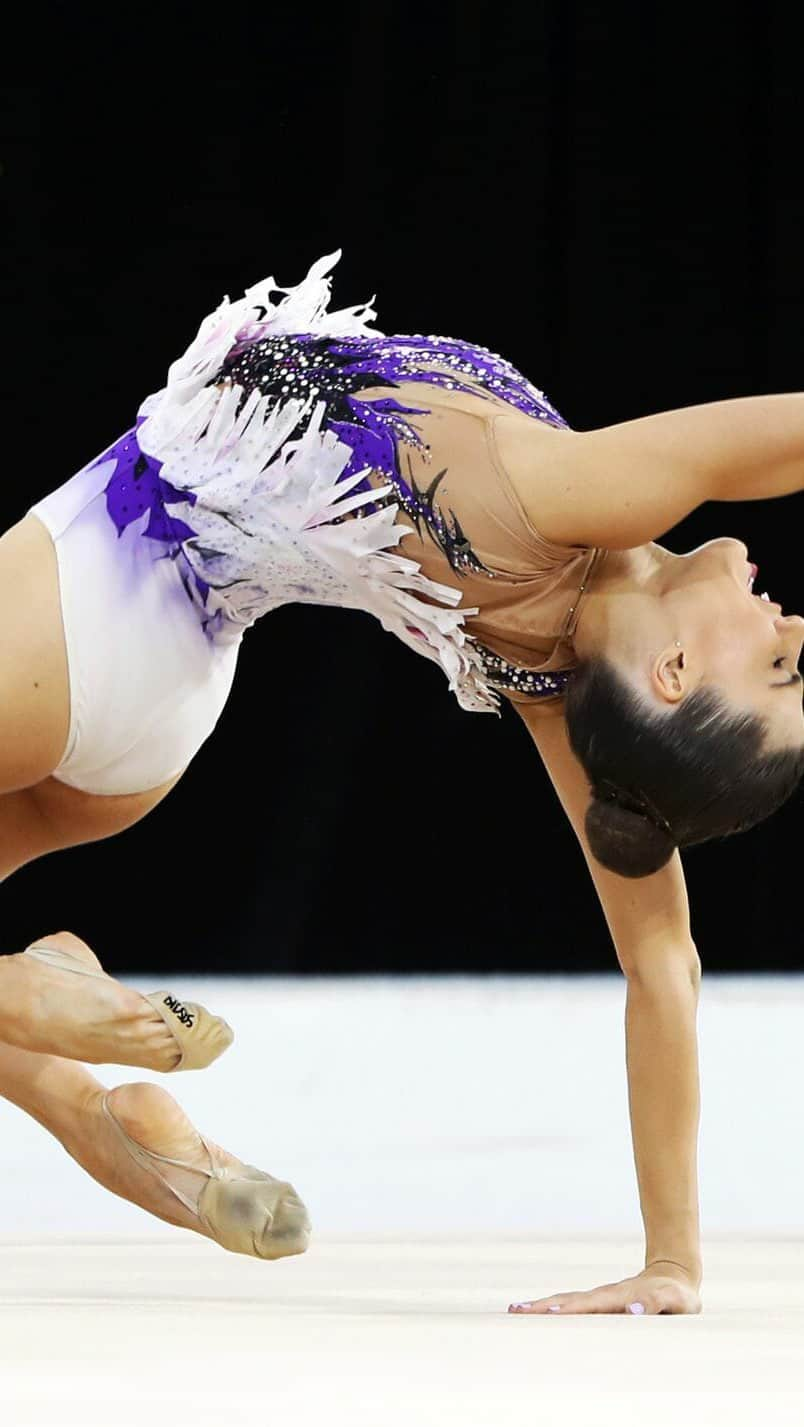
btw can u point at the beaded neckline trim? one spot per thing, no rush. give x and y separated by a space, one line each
515 678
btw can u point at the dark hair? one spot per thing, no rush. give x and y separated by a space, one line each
666 780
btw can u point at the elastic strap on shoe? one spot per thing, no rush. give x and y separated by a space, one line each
147 1159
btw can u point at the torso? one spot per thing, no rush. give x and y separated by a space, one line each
526 444
466 461
36 674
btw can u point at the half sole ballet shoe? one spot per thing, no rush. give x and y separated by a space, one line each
200 1037
243 1209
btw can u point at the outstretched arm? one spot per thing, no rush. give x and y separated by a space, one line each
623 485
649 923
744 448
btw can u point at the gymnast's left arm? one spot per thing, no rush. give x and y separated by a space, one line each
648 919
623 485
742 448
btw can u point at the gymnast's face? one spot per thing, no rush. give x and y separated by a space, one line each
647 598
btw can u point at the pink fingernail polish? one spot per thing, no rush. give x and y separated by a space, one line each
636 1308
556 1309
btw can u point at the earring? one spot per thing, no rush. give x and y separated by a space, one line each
678 646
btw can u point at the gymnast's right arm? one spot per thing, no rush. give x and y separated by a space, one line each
649 923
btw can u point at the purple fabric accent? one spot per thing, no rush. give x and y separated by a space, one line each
337 371
136 486
372 434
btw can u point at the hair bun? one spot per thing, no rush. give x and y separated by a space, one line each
624 837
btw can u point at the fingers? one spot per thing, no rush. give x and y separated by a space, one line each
609 1298
599 1300
635 1299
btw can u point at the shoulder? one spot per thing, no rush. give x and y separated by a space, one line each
615 488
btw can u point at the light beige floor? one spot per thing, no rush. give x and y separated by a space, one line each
375 1332
461 1144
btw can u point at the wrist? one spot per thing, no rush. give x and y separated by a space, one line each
690 1268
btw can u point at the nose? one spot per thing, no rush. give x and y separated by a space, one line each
735 553
791 624
792 628
738 545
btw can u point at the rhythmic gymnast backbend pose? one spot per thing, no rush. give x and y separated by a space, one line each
297 454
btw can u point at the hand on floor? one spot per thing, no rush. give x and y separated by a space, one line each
662 1288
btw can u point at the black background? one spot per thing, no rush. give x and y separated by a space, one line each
612 200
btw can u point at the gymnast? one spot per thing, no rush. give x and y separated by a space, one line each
298 454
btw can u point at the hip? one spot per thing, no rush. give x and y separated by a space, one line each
145 683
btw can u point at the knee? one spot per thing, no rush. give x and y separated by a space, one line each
63 941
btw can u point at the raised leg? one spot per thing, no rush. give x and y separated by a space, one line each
137 1142
56 998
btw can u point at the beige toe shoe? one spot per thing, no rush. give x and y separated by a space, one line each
200 1036
242 1208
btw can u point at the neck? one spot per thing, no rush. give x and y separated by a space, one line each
644 569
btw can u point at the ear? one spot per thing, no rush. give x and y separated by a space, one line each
666 674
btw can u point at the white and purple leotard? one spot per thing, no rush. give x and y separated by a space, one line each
261 475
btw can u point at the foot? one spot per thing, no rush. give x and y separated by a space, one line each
152 1155
92 1018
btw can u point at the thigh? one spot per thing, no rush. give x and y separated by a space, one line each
73 816
35 704
24 833
53 1091
51 816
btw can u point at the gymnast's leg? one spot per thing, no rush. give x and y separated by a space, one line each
56 998
137 1142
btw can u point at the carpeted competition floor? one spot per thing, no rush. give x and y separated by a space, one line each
461 1144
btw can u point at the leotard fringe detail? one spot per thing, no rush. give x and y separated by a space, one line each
267 506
